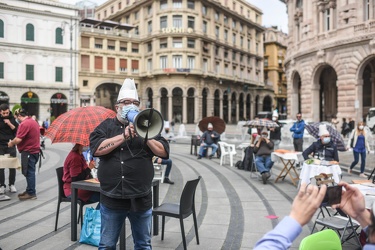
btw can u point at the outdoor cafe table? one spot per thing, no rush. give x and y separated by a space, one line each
95 187
9 162
288 160
311 170
368 191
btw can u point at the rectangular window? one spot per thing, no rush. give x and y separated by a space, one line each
163 4
123 46
234 39
98 63
123 65
234 56
217 51
226 54
29 72
149 27
163 62
191 62
149 10
135 48
177 21
149 65
204 27
136 15
204 10
217 67
191 43
177 3
226 69
149 47
205 65
164 43
98 43
163 22
241 27
327 17
1 70
225 20
191 21
217 31
111 64
85 42
234 24
111 44
191 4
177 42
217 16
135 66
226 35
177 61
1 28
241 41
85 62
58 74
85 83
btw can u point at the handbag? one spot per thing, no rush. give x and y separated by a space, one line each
90 233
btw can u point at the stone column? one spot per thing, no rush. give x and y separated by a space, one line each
372 79
315 111
359 100
229 108
221 107
197 104
184 109
237 111
170 114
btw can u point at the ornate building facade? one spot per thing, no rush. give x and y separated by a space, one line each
330 62
274 55
38 56
190 59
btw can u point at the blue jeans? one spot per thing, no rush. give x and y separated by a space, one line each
205 145
167 162
264 164
30 175
112 221
356 159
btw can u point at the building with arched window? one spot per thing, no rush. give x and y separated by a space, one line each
38 49
330 64
190 59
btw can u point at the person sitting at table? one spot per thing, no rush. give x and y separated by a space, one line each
263 148
323 148
76 169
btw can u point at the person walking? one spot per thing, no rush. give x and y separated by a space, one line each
298 128
125 172
8 130
359 142
28 144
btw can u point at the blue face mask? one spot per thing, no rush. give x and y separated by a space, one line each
326 140
127 108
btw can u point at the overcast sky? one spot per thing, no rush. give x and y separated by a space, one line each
274 11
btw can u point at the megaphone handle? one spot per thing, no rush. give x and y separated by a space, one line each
148 124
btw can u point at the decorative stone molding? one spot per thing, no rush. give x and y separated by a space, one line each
372 43
320 53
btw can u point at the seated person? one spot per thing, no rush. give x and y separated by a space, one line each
77 169
167 162
209 139
169 136
263 148
323 148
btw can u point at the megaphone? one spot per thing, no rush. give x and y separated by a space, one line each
148 122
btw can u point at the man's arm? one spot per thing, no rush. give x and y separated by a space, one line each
14 142
157 148
308 151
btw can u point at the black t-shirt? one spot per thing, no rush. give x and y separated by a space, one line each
126 173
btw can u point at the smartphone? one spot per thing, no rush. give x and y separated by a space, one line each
333 196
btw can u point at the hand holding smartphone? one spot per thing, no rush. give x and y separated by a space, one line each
332 196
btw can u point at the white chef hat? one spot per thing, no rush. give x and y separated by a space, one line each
210 125
275 113
166 124
128 90
323 130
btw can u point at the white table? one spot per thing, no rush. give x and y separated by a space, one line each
311 170
288 160
368 192
9 162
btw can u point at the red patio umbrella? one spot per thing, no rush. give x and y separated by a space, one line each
76 125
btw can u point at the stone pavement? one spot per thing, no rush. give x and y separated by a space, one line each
231 206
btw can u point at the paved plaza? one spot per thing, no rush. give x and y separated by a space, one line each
232 208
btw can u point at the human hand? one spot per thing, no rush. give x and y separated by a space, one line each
307 201
91 164
129 131
7 121
353 204
159 160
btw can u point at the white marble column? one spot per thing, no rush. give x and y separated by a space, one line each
184 109
170 113
359 99
229 108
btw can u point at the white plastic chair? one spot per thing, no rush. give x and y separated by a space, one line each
227 150
159 171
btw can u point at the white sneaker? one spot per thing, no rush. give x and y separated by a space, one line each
362 175
12 189
2 190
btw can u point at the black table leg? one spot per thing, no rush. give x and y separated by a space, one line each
73 215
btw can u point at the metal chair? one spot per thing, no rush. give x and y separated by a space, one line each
184 209
62 198
340 222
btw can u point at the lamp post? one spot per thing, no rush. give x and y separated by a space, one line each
63 24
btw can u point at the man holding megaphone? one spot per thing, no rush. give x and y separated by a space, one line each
125 145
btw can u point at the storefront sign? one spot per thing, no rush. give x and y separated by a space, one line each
29 100
176 30
55 100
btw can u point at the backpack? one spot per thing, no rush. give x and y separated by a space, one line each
248 159
239 165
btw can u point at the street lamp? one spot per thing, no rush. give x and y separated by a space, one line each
63 24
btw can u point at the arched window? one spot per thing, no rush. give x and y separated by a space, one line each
29 32
1 28
58 36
